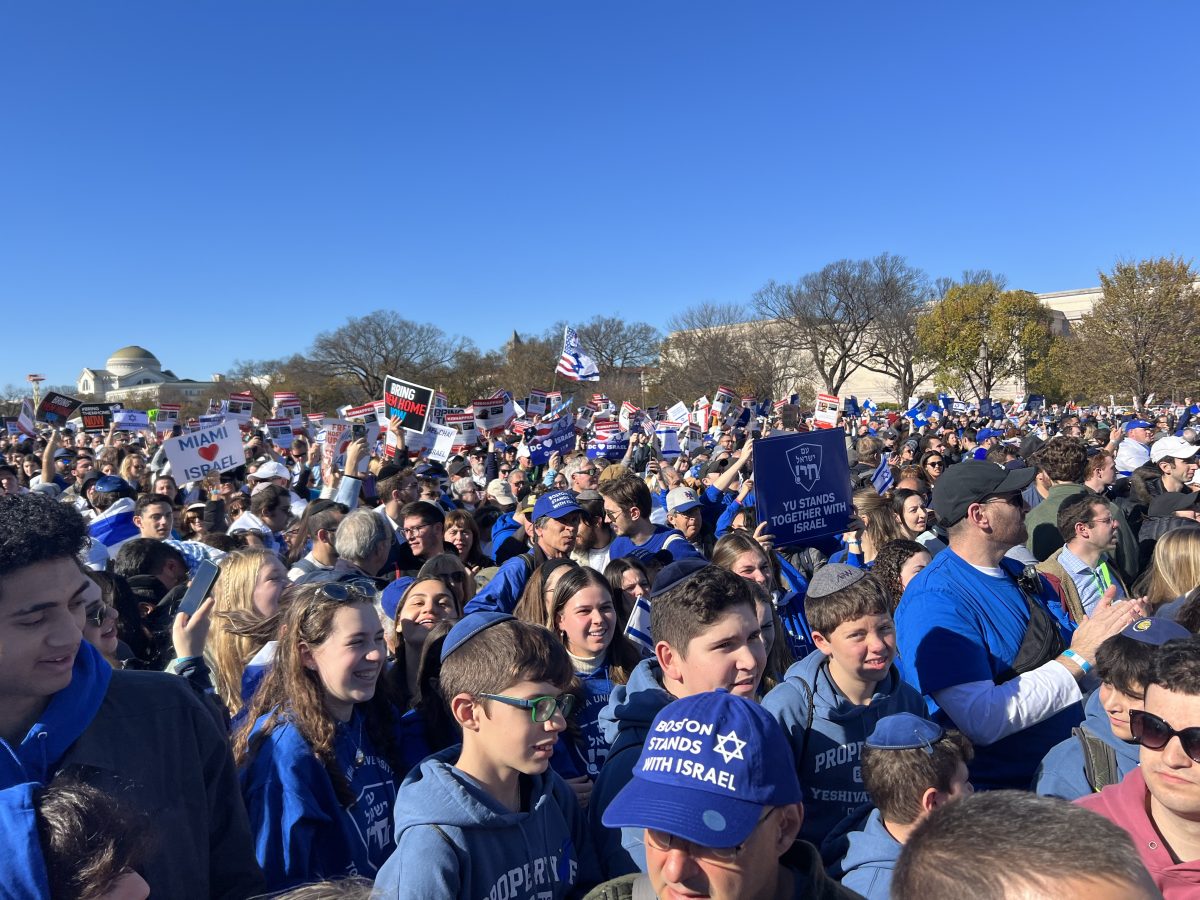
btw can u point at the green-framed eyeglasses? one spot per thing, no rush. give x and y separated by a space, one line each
541 709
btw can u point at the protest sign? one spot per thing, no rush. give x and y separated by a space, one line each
11 427
410 403
280 430
215 449
678 412
668 438
493 414
552 437
167 418
700 413
25 418
331 444
97 417
721 401
463 422
826 411
443 441
802 485
612 448
131 419
56 408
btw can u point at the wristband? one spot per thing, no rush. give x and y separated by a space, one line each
1084 665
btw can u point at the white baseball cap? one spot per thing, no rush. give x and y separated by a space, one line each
1175 447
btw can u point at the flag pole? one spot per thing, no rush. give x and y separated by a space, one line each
554 380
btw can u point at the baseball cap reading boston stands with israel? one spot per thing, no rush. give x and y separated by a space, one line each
556 505
711 763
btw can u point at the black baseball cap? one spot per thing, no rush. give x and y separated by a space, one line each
969 482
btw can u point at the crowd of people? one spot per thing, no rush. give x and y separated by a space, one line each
370 674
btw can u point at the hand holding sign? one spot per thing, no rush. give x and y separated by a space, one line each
802 485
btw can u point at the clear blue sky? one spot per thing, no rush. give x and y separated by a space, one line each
218 181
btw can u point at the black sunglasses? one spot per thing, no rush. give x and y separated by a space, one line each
1155 733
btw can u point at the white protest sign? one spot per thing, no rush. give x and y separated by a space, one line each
215 449
281 431
493 414
131 419
826 412
444 438
678 412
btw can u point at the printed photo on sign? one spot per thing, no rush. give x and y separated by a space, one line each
827 409
802 485
407 402
280 432
494 414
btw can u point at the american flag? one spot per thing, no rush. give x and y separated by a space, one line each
573 363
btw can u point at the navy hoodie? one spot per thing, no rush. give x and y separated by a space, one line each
453 839
302 833
1062 772
829 762
24 866
625 722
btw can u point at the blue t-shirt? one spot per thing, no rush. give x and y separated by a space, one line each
956 625
664 538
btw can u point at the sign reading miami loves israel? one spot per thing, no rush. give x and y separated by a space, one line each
214 449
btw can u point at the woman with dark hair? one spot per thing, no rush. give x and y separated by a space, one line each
317 754
933 464
462 532
428 727
427 602
117 605
896 565
629 582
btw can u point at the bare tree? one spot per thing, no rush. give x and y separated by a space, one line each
829 316
904 293
615 344
381 343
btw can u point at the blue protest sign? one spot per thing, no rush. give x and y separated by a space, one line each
802 485
997 410
558 437
614 448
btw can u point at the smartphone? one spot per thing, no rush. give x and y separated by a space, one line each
200 588
358 431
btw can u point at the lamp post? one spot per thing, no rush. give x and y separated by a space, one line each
35 380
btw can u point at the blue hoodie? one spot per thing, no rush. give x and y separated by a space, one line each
302 833
829 755
65 718
869 860
453 839
663 538
1062 772
24 866
625 722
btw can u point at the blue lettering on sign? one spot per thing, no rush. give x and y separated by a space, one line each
202 438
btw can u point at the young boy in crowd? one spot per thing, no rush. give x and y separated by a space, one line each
706 635
910 767
830 701
1102 751
488 818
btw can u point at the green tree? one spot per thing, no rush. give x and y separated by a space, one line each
1143 334
981 335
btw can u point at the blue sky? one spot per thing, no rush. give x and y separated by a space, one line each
219 181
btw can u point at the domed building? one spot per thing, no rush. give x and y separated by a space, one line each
134 375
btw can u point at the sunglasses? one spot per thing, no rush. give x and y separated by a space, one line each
97 615
352 591
541 709
1154 733
662 841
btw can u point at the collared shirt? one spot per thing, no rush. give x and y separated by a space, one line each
1090 582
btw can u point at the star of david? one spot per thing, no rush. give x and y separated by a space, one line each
721 746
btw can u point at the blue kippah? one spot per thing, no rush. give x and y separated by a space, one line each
673 574
469 626
904 731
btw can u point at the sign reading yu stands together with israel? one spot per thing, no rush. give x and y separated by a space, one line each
802 485
407 402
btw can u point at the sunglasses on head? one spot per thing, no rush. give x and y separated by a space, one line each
350 591
1154 733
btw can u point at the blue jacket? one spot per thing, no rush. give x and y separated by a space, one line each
625 722
829 753
664 538
302 833
24 866
453 839
503 528
505 588
1062 772
868 864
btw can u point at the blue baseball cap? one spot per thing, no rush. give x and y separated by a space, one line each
110 484
1137 423
390 598
1155 630
904 731
469 626
555 504
710 764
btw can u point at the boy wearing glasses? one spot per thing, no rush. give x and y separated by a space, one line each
717 796
489 818
1158 803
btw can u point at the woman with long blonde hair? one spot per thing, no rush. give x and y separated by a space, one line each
1174 568
247 598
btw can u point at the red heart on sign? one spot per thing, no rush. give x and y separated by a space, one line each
209 453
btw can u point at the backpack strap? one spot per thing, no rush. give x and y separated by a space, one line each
1099 760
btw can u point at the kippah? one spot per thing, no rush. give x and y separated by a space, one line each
677 572
469 626
904 731
832 577
1155 631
